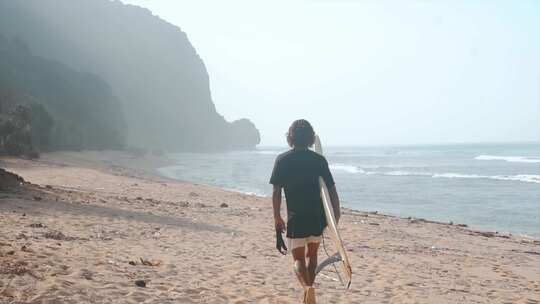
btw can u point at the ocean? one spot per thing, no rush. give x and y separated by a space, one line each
492 187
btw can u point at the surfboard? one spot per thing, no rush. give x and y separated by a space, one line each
340 254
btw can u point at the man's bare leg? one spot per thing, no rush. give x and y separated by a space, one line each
300 266
311 256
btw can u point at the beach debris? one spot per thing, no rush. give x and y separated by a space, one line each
183 204
132 263
193 194
374 224
224 205
101 236
11 252
150 262
200 205
487 234
139 198
37 198
19 269
8 292
21 236
48 186
57 235
462 225
37 225
237 255
140 283
86 274
25 248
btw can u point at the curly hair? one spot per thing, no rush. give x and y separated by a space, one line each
301 134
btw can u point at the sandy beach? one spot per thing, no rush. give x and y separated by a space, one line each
100 227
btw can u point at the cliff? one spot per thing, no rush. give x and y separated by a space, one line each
150 65
45 105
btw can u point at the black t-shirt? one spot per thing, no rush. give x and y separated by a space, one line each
298 172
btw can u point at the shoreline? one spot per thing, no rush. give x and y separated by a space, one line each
469 226
90 225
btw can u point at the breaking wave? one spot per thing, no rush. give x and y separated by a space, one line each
346 168
403 173
269 152
510 159
527 178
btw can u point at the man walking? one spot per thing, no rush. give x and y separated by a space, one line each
297 172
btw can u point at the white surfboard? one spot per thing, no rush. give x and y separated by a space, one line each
339 253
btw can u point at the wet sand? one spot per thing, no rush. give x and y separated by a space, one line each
95 227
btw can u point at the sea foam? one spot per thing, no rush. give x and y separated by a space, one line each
527 178
347 168
511 159
269 152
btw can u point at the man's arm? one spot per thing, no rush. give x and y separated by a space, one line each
276 205
334 198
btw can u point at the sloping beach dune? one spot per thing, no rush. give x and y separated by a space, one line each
100 228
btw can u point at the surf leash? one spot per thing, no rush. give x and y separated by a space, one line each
330 260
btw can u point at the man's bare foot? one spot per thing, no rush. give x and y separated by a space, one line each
304 296
310 295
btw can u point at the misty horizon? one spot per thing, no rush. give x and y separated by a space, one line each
394 73
427 144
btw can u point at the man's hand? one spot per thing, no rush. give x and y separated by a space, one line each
280 224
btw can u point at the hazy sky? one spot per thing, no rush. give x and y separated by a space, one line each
371 72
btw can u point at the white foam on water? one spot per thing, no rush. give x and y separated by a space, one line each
269 152
253 193
510 159
347 168
458 175
169 171
392 166
406 173
528 178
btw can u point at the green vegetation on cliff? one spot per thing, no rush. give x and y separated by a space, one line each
49 106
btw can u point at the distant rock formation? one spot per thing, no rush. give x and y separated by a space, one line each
150 65
9 181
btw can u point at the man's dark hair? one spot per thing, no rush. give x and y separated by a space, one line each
301 134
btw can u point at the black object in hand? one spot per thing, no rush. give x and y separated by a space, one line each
280 244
